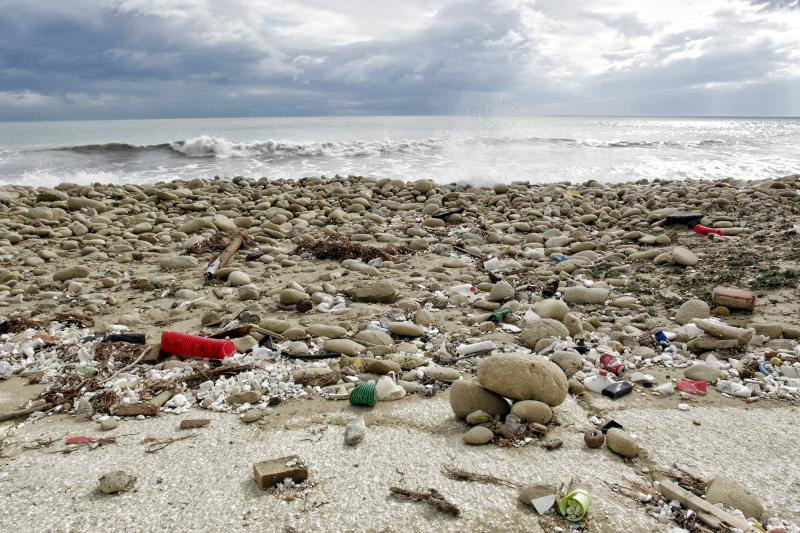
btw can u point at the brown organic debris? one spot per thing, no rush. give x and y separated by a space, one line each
155 444
338 247
460 474
74 320
103 400
215 243
122 352
433 497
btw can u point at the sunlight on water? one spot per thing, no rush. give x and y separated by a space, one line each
474 150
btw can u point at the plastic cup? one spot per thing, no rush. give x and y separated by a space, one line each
575 505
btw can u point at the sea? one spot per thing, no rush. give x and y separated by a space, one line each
467 150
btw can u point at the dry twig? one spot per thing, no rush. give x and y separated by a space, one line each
459 474
155 444
433 497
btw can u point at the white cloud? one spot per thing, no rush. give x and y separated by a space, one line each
435 56
24 99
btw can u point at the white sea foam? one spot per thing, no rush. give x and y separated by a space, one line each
476 150
207 146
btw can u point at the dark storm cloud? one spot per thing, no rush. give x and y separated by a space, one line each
150 58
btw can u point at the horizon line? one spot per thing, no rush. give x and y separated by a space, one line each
452 115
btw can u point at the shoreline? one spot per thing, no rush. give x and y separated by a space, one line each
599 265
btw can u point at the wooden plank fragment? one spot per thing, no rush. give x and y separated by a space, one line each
703 509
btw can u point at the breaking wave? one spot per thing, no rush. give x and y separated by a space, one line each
206 146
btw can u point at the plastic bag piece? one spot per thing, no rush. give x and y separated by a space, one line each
698 387
618 389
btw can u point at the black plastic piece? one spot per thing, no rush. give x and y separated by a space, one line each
618 389
610 425
133 338
690 218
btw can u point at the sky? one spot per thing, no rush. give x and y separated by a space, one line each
97 59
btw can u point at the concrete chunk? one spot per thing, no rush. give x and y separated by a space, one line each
269 473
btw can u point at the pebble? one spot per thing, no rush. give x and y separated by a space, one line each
478 417
248 293
292 296
620 443
440 373
467 397
355 431
71 273
501 292
238 278
252 415
108 424
684 257
478 435
532 411
406 329
116 481
344 346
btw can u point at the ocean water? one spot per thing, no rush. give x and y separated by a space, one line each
477 150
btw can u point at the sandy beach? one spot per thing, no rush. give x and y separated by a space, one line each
388 281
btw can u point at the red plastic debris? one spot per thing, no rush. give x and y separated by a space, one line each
193 346
705 230
80 440
699 387
612 363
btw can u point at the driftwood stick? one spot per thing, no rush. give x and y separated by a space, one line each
225 369
222 259
22 412
460 474
433 497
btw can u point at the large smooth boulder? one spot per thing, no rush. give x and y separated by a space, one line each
542 328
702 371
343 346
467 397
731 494
585 295
371 337
521 376
620 443
692 309
551 308
376 293
72 272
569 362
